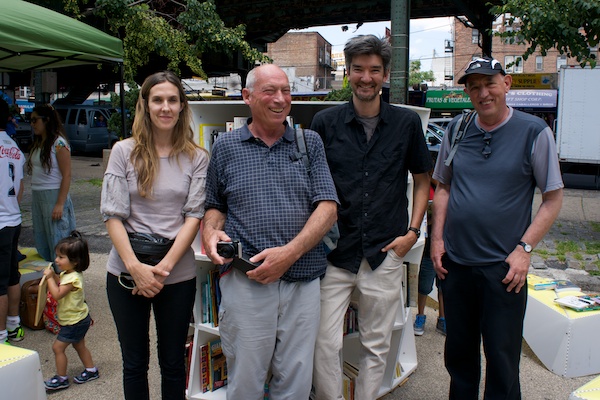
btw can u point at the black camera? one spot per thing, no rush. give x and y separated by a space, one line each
229 249
234 250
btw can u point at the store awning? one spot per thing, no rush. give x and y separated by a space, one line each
447 100
532 98
34 37
529 99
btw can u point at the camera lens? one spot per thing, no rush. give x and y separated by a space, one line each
226 250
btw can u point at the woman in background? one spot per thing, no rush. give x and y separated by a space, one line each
154 184
50 167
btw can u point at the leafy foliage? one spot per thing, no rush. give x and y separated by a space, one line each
114 122
570 26
178 31
343 94
416 76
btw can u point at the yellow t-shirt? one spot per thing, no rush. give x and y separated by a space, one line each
72 308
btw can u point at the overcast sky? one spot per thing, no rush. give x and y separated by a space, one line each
426 35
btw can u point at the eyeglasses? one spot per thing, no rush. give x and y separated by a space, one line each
126 281
487 150
35 119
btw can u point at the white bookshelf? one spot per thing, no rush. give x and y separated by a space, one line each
203 333
402 358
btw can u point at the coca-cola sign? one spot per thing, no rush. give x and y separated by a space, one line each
10 152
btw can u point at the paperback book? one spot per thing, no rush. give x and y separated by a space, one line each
538 283
587 302
563 285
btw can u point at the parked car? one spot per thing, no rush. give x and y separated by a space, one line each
441 122
433 138
86 126
24 135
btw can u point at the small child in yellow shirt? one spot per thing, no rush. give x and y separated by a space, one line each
72 257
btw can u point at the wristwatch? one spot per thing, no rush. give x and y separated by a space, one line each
526 246
416 231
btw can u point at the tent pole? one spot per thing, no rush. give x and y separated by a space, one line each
122 90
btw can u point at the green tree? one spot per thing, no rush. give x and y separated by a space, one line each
570 26
179 31
343 94
416 76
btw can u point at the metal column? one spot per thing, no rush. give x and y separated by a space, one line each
400 19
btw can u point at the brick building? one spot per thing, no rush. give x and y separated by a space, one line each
308 54
466 48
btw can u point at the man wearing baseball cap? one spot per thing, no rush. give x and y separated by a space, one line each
483 232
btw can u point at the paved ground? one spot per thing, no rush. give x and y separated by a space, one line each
578 226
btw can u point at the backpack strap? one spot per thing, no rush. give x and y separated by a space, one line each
301 154
458 133
330 239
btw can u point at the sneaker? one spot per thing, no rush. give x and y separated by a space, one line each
17 334
55 383
6 342
441 326
86 376
419 326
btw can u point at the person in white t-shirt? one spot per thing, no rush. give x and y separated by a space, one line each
50 167
12 161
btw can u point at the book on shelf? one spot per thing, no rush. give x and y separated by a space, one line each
205 299
350 373
585 302
217 366
351 320
564 285
538 283
189 345
204 367
214 297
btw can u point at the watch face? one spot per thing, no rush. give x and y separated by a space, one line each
527 247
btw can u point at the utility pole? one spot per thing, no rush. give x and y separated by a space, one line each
400 19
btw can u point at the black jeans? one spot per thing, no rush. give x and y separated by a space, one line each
9 264
478 306
172 312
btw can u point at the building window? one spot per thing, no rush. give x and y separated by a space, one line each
513 64
475 36
519 65
539 63
560 61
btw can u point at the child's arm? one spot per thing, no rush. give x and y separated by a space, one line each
57 290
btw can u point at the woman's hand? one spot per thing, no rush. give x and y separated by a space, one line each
57 212
146 283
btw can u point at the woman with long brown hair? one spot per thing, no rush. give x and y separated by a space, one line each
154 187
49 164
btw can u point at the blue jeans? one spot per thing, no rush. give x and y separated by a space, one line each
427 275
46 231
172 313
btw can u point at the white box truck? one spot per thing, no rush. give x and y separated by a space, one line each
578 120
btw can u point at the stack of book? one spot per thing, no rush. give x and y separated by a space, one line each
538 283
583 302
213 366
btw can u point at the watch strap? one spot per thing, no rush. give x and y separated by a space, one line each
526 246
416 231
